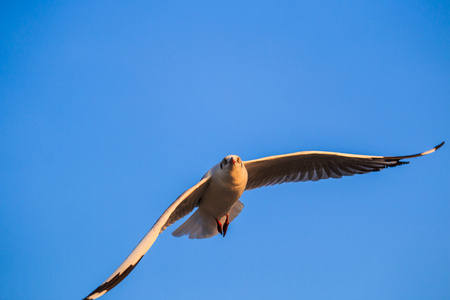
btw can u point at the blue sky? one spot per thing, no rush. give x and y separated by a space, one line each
109 110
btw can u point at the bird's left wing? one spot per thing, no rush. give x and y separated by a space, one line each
316 165
184 204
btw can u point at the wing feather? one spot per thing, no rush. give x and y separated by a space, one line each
184 204
316 165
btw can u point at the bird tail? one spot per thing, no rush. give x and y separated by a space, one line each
201 226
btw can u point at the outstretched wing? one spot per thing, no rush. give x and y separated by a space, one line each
184 204
315 165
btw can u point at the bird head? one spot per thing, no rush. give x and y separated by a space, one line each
230 161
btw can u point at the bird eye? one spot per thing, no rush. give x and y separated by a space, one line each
224 161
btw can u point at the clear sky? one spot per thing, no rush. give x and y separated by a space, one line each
111 109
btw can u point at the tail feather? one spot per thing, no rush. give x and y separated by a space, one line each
197 227
200 226
236 210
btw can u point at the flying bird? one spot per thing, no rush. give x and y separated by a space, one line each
216 195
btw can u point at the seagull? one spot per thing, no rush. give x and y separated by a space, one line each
216 195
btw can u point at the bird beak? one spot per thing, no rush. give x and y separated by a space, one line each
232 161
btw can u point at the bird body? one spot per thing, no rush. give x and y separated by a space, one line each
217 194
226 186
227 182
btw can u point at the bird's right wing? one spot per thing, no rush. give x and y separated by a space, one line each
184 204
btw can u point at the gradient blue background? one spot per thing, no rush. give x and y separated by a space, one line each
109 110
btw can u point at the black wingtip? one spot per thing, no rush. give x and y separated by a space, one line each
109 285
439 146
398 163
